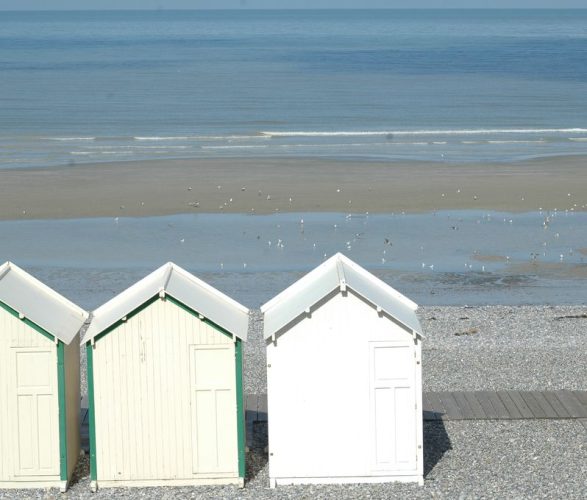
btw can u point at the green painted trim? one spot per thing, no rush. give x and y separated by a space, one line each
62 409
27 321
197 314
240 411
147 303
91 411
134 312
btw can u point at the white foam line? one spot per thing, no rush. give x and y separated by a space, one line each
515 142
422 132
179 138
578 139
69 138
200 138
233 147
139 148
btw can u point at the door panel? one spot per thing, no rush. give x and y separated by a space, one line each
393 414
213 402
35 414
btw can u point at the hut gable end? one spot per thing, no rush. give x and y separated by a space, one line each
170 282
337 275
42 308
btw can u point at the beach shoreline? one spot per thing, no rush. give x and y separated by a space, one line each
268 185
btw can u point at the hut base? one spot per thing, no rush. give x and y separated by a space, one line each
238 481
280 481
30 484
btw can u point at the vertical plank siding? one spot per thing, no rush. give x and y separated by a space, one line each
142 394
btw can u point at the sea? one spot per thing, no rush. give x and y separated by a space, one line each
434 85
431 85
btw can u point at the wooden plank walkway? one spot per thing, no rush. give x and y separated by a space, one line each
456 405
505 405
478 405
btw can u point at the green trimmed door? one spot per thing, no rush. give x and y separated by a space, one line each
214 416
34 412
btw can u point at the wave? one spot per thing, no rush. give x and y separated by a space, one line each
138 148
199 137
243 146
516 142
392 133
578 139
68 139
178 138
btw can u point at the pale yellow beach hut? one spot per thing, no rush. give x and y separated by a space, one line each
39 382
344 380
165 384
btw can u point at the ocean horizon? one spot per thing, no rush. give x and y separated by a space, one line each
431 85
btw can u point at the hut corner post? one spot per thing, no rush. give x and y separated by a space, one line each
92 418
62 416
240 421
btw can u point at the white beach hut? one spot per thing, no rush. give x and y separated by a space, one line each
39 382
343 380
165 384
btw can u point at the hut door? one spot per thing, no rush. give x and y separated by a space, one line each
393 415
213 402
35 412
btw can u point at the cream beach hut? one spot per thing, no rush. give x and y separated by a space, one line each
165 384
39 382
343 380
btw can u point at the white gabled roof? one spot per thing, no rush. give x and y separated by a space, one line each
182 286
337 272
39 303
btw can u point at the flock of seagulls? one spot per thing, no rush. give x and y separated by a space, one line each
387 243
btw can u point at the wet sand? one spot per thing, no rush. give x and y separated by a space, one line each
289 185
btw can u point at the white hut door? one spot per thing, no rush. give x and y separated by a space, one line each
213 402
393 414
35 412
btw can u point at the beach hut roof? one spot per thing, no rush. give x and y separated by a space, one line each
337 272
184 287
40 304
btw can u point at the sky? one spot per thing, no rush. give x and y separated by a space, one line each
280 4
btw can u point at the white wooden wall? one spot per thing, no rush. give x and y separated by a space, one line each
331 393
155 409
29 440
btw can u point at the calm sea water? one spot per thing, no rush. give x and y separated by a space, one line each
435 85
448 257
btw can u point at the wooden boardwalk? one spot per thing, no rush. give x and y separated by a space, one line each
505 405
459 405
477 405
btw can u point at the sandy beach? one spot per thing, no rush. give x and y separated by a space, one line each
296 185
